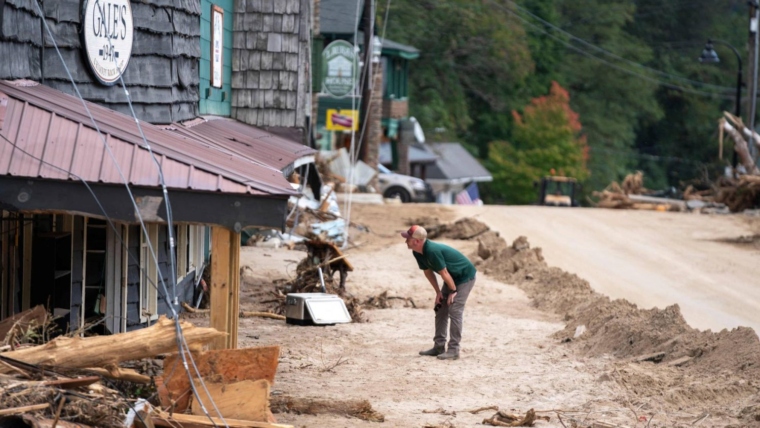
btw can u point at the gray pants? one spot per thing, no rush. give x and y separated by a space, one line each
454 312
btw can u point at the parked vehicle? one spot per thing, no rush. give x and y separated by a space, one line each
557 191
404 187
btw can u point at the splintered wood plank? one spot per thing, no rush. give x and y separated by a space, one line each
247 400
193 421
222 365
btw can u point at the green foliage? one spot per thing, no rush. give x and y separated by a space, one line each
547 136
470 53
630 67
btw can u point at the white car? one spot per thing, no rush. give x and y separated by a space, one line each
404 187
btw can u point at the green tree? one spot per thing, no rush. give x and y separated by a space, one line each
547 136
471 54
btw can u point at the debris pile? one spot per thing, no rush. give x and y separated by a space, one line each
316 273
82 381
632 194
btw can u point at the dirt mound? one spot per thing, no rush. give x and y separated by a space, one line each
597 325
464 228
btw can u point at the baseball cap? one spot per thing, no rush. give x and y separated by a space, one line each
416 232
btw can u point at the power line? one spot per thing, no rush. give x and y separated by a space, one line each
615 66
610 54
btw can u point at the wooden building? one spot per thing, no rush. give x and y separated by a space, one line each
218 88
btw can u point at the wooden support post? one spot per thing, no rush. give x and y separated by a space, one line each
4 273
26 286
225 285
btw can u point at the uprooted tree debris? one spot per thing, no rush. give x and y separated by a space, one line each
76 381
738 192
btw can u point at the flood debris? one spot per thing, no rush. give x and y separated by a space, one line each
504 419
723 196
78 382
360 409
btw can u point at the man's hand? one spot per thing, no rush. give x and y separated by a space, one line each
450 301
438 297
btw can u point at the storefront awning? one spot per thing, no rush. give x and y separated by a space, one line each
48 145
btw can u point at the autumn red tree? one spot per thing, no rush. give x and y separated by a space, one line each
546 136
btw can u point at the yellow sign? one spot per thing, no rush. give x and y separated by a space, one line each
342 120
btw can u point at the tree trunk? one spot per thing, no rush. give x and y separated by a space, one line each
740 145
99 351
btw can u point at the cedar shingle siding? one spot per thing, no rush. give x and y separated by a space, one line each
270 45
162 76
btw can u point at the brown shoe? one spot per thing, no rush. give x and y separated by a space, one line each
434 351
449 355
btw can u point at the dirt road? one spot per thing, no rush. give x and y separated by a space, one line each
512 354
652 259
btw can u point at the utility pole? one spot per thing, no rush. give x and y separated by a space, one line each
366 78
754 15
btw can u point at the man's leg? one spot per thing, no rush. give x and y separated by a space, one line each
456 313
441 325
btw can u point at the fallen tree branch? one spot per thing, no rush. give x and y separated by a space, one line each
24 409
247 314
98 351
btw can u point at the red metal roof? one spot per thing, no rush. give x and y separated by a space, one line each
250 141
48 134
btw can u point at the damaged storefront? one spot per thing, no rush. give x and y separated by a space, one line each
219 90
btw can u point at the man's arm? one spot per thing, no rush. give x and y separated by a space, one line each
433 280
447 279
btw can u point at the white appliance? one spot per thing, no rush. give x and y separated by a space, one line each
315 308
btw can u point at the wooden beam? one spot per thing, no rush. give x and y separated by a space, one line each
99 351
225 285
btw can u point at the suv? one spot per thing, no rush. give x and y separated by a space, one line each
404 187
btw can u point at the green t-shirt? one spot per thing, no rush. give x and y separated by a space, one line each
437 256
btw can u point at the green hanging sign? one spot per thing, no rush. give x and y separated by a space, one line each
339 68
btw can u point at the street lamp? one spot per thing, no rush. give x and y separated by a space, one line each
709 56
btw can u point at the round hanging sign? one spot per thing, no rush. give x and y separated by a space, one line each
339 68
108 30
